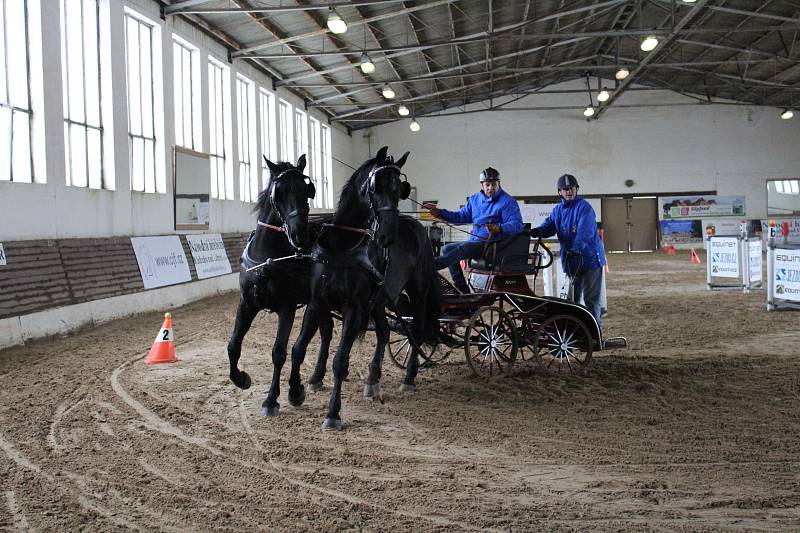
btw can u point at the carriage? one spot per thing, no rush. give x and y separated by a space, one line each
504 323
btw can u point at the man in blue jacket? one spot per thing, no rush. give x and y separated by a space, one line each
582 253
495 215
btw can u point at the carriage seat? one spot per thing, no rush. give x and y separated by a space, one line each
510 255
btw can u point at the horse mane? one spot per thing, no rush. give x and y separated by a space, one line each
350 197
262 204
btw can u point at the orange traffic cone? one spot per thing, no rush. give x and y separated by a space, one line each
670 249
695 259
163 350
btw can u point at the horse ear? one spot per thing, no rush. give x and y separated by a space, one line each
381 155
301 163
402 160
273 168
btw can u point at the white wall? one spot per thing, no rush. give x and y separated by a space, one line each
53 210
730 149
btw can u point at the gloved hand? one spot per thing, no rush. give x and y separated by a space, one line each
535 233
435 212
493 229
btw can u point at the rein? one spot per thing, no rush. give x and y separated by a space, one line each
270 226
453 226
270 260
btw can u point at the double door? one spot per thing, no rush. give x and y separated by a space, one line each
630 224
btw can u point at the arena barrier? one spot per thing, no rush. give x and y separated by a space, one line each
783 274
734 257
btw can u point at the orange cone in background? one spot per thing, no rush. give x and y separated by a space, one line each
163 350
670 249
695 259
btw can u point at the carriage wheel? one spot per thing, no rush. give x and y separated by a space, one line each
400 352
563 345
490 342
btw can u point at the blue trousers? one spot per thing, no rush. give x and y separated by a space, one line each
589 284
453 253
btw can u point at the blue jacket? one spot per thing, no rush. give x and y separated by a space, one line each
501 209
574 223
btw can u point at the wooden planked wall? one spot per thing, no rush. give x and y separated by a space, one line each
44 274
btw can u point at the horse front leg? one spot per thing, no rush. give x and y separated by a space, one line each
414 335
245 314
270 406
372 387
351 323
297 393
325 335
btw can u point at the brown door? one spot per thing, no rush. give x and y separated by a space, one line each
630 224
615 224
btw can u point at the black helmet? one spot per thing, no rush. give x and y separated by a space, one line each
566 181
490 174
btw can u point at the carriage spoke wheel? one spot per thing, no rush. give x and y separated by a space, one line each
563 345
490 342
400 349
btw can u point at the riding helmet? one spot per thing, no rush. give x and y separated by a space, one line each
490 174
566 181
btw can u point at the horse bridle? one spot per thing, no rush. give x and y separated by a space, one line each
310 193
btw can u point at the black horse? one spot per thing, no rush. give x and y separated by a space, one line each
272 275
359 270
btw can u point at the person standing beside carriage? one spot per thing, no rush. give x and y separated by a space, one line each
494 214
582 253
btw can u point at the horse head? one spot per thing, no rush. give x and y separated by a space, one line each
386 185
286 198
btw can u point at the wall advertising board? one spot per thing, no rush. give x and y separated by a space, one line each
3 260
755 261
724 252
786 284
161 260
701 206
208 252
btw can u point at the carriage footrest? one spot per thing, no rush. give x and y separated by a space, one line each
615 343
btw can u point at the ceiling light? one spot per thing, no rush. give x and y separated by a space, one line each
603 95
387 91
689 1
787 114
588 112
649 44
622 73
414 126
335 22
367 66
403 110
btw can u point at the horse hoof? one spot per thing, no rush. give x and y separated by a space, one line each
330 424
270 411
297 399
371 391
315 386
405 387
242 380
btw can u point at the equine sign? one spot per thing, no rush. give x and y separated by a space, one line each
786 281
161 260
755 261
724 257
208 252
3 261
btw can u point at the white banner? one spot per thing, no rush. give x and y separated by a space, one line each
756 262
208 252
3 261
787 274
535 214
161 260
724 257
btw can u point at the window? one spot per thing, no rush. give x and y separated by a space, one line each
285 117
315 159
16 115
268 134
326 166
788 186
141 47
186 77
81 74
300 133
219 117
245 99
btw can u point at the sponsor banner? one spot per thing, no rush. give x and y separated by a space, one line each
3 261
680 232
724 256
755 261
786 284
208 252
793 224
161 260
701 206
535 214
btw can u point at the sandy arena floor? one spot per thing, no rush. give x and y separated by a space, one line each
696 427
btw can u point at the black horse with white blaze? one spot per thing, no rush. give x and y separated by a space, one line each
273 276
363 260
